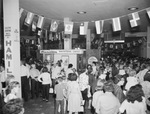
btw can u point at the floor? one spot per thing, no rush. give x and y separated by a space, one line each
37 106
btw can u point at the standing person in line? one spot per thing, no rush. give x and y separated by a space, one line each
46 83
2 76
60 95
13 89
34 73
74 95
55 73
24 73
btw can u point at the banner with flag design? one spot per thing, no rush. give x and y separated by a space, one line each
116 24
134 19
83 28
54 25
29 18
68 27
40 22
99 26
45 36
33 26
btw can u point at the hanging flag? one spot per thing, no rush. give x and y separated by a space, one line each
45 39
39 41
116 24
40 22
134 43
68 27
59 36
122 46
99 26
140 41
32 42
39 32
29 18
33 26
54 25
148 12
21 11
111 46
27 40
83 28
134 19
50 37
128 45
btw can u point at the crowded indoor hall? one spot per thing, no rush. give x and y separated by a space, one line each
74 57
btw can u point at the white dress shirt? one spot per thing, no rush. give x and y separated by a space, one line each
45 78
24 71
107 104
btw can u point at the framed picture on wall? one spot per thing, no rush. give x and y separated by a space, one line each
65 59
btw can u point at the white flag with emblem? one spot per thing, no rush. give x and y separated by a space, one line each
68 27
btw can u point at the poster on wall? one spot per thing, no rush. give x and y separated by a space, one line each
65 59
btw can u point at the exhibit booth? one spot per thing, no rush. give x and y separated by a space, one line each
78 57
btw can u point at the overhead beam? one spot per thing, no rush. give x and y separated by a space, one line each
137 34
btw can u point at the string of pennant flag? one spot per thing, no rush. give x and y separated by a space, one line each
134 20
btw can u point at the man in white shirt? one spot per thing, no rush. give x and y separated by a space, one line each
24 73
108 103
34 81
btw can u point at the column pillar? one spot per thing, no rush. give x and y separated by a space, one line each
68 38
148 42
12 38
88 39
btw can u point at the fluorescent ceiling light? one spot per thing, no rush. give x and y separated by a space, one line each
114 41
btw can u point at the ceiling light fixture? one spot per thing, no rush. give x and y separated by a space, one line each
81 12
133 8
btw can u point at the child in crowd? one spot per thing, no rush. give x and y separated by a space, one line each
59 91
13 89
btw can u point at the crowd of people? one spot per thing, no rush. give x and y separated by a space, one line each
113 85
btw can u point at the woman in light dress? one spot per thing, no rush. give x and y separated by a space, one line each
74 95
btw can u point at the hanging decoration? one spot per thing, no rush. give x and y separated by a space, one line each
54 25
116 24
40 22
99 26
52 34
34 26
134 19
68 27
83 28
148 12
29 18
